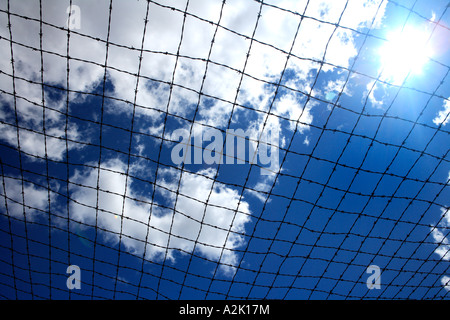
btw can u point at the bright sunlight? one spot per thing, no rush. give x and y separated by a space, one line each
405 52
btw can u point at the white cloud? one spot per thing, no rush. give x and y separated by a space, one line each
373 92
443 117
445 281
184 226
35 196
29 95
334 87
306 141
440 236
34 143
163 34
289 106
443 249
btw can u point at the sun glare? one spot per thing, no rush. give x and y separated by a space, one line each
405 52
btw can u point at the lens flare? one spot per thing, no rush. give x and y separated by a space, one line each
406 52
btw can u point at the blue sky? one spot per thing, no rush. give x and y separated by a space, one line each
358 91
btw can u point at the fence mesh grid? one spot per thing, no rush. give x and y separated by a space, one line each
341 201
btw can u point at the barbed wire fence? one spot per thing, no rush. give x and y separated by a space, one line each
412 276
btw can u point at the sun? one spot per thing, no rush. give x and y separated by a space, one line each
405 53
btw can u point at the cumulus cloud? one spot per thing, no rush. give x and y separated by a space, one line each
273 40
222 81
443 117
290 107
445 281
33 203
217 226
334 87
52 145
443 249
440 236
376 94
28 100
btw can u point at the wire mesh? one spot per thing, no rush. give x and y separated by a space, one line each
374 192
